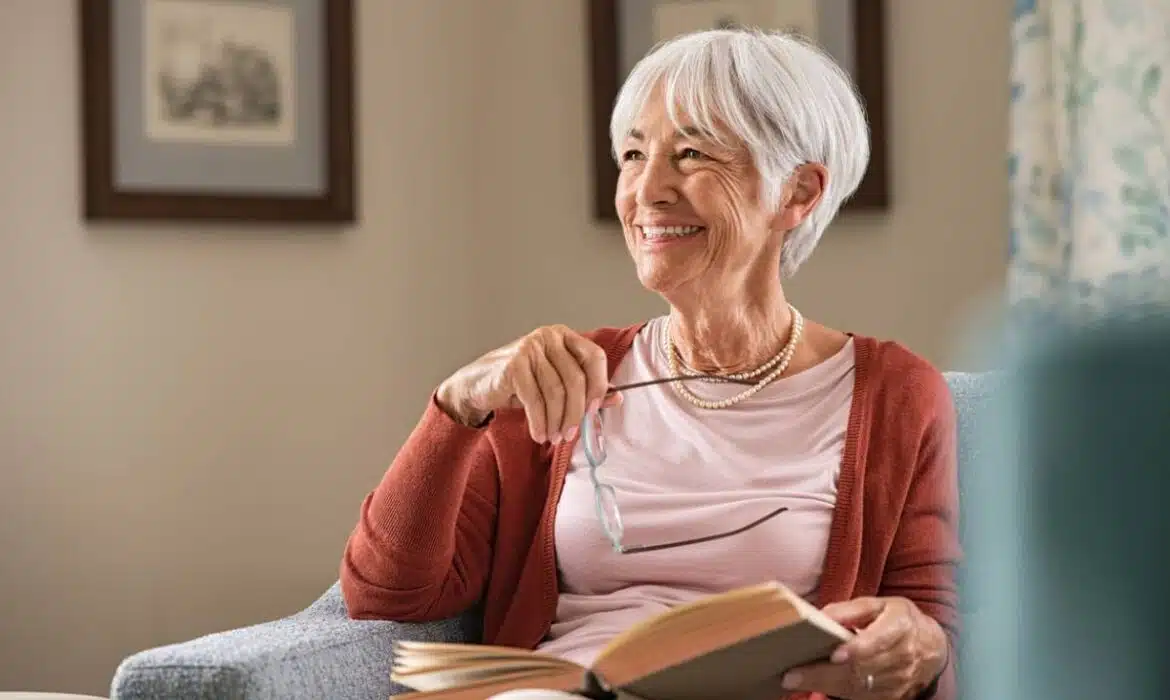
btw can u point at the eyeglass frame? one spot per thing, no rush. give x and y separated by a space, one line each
615 530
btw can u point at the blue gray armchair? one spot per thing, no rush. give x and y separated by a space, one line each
319 653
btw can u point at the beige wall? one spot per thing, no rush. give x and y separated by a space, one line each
189 417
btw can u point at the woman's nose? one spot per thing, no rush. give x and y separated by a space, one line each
658 183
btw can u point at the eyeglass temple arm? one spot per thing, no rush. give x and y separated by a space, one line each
681 378
637 548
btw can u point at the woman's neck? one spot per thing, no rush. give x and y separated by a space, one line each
730 338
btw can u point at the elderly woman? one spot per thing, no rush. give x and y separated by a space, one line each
736 149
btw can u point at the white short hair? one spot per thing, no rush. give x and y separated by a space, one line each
778 94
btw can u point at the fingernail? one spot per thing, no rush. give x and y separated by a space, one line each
571 433
556 438
839 656
790 680
594 405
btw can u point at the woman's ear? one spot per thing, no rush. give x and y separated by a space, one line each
802 193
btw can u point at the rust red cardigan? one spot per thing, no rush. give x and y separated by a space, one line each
465 515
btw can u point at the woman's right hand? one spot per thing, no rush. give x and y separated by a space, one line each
553 373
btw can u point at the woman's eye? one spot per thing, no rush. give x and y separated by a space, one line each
628 156
689 153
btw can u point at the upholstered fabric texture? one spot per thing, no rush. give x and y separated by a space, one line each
316 654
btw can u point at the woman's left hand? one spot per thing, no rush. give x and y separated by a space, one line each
898 652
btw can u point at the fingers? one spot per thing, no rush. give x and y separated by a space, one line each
831 679
558 377
892 670
553 391
526 389
595 365
891 656
858 612
891 627
845 681
609 400
567 406
888 630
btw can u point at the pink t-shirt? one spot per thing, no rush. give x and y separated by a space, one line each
682 472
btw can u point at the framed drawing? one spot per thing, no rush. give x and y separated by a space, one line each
852 31
232 110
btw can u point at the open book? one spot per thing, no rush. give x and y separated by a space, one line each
724 646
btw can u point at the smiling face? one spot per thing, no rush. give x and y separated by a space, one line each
691 210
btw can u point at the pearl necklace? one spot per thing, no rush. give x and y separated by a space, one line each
772 369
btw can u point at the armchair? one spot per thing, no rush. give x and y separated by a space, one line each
321 653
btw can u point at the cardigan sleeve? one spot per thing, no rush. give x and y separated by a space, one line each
422 546
925 552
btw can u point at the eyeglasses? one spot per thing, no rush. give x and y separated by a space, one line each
604 495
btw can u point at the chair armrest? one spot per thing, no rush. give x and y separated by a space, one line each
317 653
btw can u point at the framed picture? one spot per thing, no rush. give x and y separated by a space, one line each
851 31
233 110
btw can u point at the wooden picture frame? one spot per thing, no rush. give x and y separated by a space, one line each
218 110
865 44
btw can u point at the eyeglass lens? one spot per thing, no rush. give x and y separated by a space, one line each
608 513
593 438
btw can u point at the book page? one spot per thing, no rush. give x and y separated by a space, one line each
714 606
692 633
429 666
544 680
440 679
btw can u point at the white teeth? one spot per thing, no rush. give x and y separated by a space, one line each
657 231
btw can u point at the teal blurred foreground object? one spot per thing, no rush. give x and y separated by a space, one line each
1068 523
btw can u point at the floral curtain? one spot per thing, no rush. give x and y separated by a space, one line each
1089 160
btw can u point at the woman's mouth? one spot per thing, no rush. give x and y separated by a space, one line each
655 234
